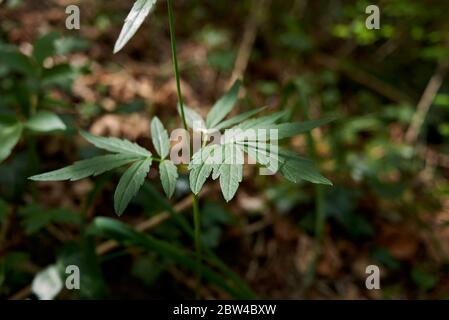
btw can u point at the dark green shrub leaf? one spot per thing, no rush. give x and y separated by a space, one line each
17 61
44 47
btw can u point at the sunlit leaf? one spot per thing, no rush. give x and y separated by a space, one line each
159 137
45 121
133 21
116 145
10 132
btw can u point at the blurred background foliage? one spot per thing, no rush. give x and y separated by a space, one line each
387 154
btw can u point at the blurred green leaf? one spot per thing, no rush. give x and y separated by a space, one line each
384 257
148 269
45 121
44 47
122 233
341 204
10 133
424 279
214 217
35 217
14 60
66 45
60 75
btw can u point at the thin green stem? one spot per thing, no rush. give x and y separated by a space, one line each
320 215
197 235
175 61
320 219
196 211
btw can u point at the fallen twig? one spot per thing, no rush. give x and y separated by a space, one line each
425 102
258 10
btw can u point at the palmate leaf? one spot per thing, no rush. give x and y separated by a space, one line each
85 168
133 21
129 184
169 175
224 162
159 137
116 145
223 106
201 166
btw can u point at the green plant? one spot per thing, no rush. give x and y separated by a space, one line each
25 105
229 168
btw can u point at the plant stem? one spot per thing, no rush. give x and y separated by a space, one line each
320 219
196 211
320 216
197 227
175 61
